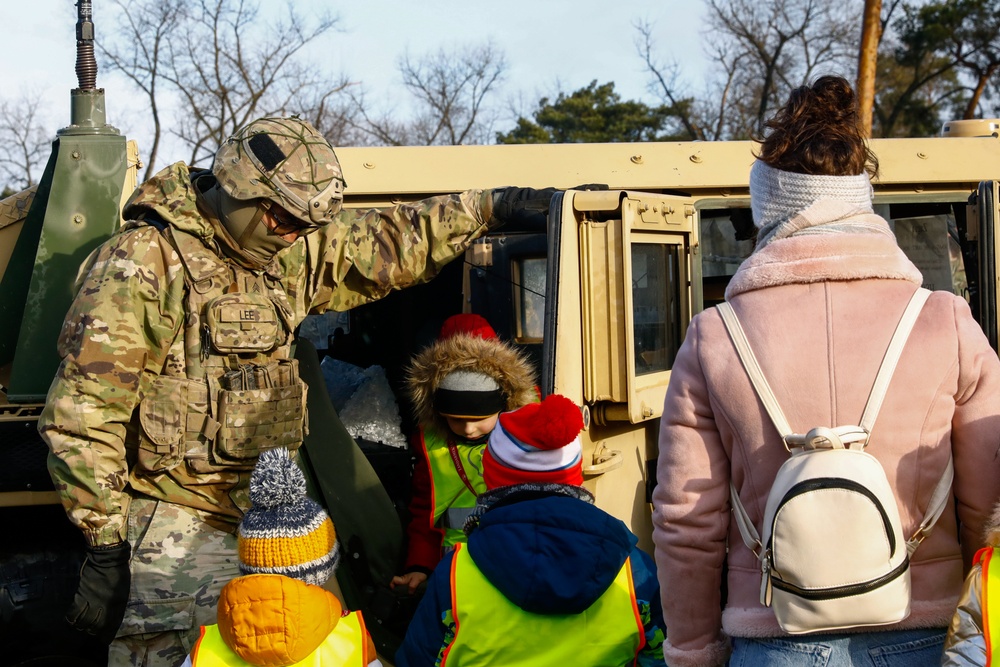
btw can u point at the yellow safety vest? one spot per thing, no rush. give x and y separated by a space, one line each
344 646
491 630
990 600
453 500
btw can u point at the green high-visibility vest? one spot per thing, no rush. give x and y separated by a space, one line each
990 601
491 630
344 646
453 500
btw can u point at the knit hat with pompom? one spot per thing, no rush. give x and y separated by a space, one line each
539 442
285 531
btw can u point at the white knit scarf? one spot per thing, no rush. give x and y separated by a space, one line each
777 197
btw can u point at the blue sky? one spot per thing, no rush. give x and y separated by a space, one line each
550 45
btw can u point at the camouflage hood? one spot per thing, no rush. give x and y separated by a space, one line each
511 369
170 194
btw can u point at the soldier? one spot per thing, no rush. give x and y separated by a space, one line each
176 366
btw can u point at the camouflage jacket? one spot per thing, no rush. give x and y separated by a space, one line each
126 329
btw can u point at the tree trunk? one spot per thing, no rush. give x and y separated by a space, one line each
871 35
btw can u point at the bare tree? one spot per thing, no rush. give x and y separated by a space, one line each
772 46
24 142
666 83
218 64
230 69
450 90
759 51
874 20
871 35
140 50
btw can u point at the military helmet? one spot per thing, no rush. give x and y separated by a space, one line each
286 161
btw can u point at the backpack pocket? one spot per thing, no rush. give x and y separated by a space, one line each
836 557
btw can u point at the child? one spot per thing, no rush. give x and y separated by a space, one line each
546 578
974 636
278 614
458 385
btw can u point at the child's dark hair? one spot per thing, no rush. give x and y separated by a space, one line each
818 132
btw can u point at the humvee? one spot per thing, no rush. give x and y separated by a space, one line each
600 298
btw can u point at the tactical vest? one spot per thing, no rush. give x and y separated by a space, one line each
453 500
239 392
492 630
344 646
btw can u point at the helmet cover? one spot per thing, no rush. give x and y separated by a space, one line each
286 161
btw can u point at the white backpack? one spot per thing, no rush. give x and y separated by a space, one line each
832 554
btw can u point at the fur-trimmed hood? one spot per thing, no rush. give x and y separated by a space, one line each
991 534
510 367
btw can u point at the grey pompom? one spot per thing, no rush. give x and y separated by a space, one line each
276 480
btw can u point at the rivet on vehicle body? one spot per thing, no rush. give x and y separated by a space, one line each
695 158
76 155
78 219
636 159
369 165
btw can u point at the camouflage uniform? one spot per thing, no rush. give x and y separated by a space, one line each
136 412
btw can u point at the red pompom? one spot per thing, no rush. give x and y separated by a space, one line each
469 324
551 424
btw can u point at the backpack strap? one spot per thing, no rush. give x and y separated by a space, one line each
835 437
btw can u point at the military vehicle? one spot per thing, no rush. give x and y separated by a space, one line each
600 299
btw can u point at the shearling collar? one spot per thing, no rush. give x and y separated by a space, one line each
814 258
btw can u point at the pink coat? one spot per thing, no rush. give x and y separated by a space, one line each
819 311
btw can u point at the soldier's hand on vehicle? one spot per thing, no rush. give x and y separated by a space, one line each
521 206
99 604
527 207
411 580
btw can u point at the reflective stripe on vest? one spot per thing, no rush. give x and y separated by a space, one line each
447 488
344 646
990 601
488 625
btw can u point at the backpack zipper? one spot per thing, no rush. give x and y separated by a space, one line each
840 591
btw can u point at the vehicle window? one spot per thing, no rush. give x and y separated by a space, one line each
727 238
926 231
656 305
928 234
529 297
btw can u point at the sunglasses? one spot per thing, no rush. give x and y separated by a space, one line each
284 222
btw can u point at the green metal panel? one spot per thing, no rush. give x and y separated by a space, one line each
17 277
80 204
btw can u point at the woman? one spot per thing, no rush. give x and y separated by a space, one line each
819 299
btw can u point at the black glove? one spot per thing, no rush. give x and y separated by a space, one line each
101 597
521 206
527 207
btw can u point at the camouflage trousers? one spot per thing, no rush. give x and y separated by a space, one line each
179 565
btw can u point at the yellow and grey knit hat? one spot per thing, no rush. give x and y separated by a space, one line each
285 531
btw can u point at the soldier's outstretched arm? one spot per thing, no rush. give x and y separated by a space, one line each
113 342
367 253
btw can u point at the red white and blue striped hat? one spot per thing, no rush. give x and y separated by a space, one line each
539 442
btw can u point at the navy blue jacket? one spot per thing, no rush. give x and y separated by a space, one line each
548 553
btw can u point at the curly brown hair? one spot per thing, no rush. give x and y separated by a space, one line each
818 132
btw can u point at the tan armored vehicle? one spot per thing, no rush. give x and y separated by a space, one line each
600 298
